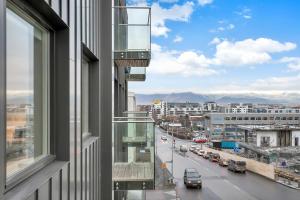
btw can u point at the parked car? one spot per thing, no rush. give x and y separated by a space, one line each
223 162
183 148
200 140
192 148
196 150
201 152
214 157
163 138
237 166
206 156
192 178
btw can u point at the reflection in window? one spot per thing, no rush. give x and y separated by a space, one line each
85 98
27 99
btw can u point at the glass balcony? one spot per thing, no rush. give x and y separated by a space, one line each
135 114
132 36
136 74
133 153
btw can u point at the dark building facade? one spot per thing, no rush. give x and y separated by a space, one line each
56 99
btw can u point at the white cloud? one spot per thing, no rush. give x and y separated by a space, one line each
168 1
246 13
249 51
223 27
186 63
177 39
204 2
293 63
216 40
230 27
160 15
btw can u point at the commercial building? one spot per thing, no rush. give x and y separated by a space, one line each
217 123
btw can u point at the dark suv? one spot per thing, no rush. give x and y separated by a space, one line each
192 178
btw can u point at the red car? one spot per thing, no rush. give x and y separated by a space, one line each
200 140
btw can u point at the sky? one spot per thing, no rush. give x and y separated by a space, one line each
223 46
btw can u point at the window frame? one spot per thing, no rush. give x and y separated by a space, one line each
32 18
94 88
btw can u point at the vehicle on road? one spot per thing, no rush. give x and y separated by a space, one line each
214 157
200 152
237 166
192 178
206 156
223 162
163 138
192 148
200 140
183 148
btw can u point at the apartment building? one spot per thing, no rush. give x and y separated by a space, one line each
64 74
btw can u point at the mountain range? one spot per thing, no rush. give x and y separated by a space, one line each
144 99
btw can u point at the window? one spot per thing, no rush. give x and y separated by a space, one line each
252 118
27 110
85 78
265 118
246 118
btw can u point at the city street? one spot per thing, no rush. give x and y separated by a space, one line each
218 182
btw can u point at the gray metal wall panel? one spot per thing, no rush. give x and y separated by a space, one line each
32 197
44 191
65 10
65 182
55 4
56 187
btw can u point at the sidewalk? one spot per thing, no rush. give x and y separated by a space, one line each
163 189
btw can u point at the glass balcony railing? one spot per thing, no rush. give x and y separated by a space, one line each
132 36
135 114
136 74
133 153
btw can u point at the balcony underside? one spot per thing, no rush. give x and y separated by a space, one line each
133 176
136 77
132 58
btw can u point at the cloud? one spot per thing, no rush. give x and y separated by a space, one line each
293 63
246 13
205 2
187 63
216 40
249 51
168 1
160 15
270 85
178 39
222 28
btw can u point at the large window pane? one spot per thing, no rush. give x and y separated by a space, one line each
85 98
27 92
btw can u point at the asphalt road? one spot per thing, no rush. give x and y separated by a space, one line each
217 182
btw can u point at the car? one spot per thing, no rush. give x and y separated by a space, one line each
214 157
196 150
163 138
192 148
223 162
207 155
200 140
192 178
237 166
201 152
183 148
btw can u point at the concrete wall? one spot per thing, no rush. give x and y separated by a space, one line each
260 168
271 134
